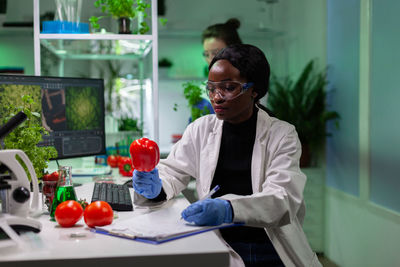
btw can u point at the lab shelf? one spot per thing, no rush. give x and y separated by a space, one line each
142 49
95 36
98 49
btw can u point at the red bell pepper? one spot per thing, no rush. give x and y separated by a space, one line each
145 154
112 161
125 166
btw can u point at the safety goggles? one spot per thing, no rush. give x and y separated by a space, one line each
227 90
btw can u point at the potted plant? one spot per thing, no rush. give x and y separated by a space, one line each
128 124
124 11
303 104
27 135
198 105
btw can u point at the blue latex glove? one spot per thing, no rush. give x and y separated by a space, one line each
208 212
147 184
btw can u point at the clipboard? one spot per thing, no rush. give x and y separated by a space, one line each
155 240
156 227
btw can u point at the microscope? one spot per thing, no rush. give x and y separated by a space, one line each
15 194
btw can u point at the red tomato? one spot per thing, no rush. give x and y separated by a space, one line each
51 177
68 213
46 177
98 213
54 176
112 161
118 157
125 166
145 154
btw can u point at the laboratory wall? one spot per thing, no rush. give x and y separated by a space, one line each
343 41
16 52
357 40
362 219
385 93
16 43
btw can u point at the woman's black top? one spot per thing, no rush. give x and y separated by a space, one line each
233 174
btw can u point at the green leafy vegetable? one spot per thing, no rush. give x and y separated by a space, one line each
27 135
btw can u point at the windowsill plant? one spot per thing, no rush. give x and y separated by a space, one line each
303 104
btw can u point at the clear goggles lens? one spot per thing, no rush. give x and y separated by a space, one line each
226 89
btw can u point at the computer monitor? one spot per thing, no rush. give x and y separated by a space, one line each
72 111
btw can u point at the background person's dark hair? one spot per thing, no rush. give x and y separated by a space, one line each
226 32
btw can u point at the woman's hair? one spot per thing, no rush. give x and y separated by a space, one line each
226 32
251 63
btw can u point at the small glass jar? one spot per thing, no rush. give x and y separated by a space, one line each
48 191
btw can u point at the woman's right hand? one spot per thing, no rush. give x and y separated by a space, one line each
208 212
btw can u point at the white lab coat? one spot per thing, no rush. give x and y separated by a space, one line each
277 202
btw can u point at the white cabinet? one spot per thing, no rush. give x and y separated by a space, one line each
140 48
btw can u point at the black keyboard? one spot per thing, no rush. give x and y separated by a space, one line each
117 195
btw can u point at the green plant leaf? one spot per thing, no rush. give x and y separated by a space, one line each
192 92
36 114
94 22
120 8
27 135
163 21
303 103
143 28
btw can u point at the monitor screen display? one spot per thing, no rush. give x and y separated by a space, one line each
72 111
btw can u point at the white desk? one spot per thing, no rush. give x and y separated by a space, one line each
54 247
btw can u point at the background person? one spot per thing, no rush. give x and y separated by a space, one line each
218 36
252 156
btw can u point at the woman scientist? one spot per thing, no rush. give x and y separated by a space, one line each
253 157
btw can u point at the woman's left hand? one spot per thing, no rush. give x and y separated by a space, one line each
209 212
